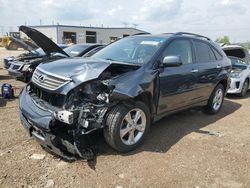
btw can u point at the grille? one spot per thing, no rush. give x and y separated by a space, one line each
48 81
16 67
237 85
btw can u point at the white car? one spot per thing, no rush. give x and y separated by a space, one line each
240 77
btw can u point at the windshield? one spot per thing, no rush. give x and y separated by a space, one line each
38 51
137 49
238 63
75 50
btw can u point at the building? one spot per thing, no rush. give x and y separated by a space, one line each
80 34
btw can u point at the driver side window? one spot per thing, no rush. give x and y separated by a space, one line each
180 48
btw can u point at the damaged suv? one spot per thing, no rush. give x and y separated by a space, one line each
122 89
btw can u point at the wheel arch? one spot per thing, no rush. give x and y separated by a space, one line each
147 98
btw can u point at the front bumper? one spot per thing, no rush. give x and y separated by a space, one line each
16 74
69 144
235 86
7 63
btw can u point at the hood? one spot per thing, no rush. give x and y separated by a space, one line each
78 69
237 51
24 44
75 68
42 41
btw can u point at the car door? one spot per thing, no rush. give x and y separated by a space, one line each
177 84
208 68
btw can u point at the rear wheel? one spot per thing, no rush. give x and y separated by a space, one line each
127 126
244 88
216 100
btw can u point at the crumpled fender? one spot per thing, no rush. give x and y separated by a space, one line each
133 83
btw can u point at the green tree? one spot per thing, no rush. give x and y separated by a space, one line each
224 40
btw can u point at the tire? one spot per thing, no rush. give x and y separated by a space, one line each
244 88
117 125
12 46
216 99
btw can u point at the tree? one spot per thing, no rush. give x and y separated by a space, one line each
224 40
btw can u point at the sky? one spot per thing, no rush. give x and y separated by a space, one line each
213 18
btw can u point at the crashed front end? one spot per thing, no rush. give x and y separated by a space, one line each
61 113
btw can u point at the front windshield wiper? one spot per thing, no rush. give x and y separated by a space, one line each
109 59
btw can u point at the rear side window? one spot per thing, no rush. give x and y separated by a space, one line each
204 52
180 48
217 54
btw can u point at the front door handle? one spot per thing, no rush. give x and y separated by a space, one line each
218 67
194 70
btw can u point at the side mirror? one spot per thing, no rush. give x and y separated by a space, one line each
171 61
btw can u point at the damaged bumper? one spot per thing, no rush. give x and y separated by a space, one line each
69 141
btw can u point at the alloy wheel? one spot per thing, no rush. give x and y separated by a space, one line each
133 126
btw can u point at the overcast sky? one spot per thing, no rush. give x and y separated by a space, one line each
213 18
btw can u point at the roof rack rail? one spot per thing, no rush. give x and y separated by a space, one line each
168 33
143 33
192 34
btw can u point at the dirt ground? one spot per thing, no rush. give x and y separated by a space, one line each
188 149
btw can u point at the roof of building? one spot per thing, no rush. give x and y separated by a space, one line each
87 27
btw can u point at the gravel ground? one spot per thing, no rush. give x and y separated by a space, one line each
188 149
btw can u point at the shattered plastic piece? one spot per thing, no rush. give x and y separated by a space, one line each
216 133
37 156
50 183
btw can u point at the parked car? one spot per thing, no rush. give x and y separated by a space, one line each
240 75
237 51
32 52
23 69
122 89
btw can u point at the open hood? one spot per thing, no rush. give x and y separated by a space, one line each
42 41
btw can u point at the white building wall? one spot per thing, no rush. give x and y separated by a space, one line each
48 31
102 34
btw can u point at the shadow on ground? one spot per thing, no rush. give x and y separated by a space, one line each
235 96
5 77
168 131
3 102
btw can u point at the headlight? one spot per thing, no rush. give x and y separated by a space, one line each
235 74
26 67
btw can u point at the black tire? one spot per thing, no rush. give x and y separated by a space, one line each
210 107
12 46
244 88
115 122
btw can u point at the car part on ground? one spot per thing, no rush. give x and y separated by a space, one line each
240 74
122 89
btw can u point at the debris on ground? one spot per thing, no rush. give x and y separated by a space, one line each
37 156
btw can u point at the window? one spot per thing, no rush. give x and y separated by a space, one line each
136 49
180 48
90 37
217 54
203 52
69 37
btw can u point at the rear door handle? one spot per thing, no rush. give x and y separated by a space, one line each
218 67
194 70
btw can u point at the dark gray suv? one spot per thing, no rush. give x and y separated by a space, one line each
123 89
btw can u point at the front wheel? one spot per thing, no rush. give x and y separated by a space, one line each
126 127
216 100
244 89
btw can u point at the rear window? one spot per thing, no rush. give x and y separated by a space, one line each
235 53
204 52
